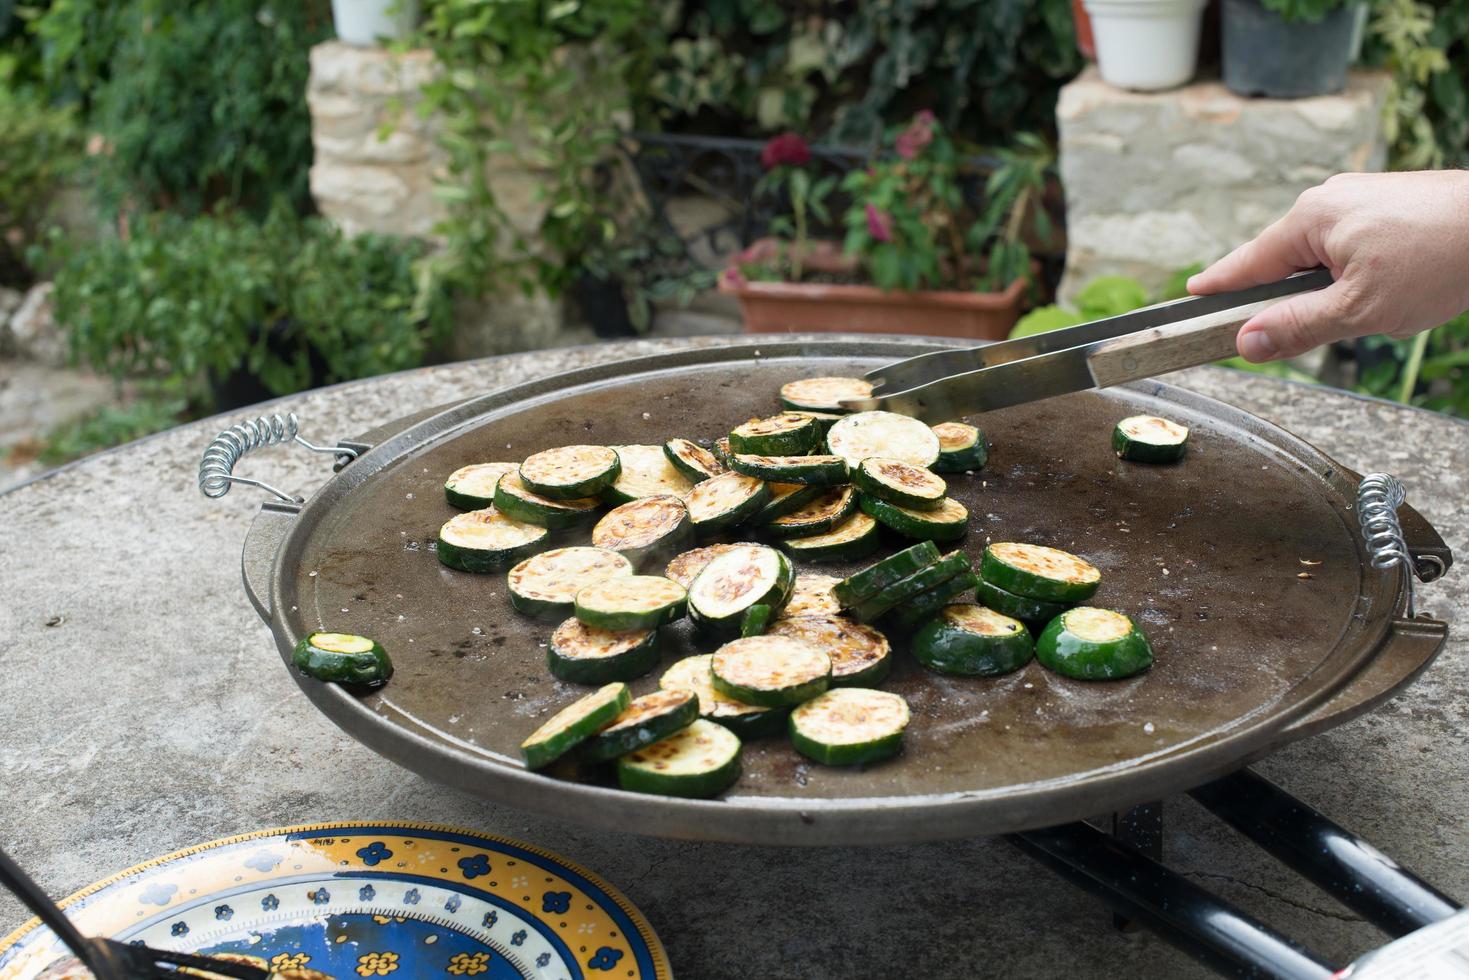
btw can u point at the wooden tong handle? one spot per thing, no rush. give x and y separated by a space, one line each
1172 347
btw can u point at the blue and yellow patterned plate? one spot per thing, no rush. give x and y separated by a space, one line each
358 900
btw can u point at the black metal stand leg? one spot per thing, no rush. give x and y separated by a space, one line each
1346 867
1141 827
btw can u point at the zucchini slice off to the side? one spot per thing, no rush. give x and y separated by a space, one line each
784 498
874 578
852 540
574 724
947 522
1092 644
962 447
900 483
513 497
696 463
924 606
812 596
860 655
745 720
1038 572
770 671
686 567
643 528
342 658
646 472
650 718
547 584
473 487
833 507
570 472
700 761
726 500
823 394
582 654
886 434
814 471
779 435
972 641
631 602
850 725
1018 606
1149 439
486 540
744 576
953 564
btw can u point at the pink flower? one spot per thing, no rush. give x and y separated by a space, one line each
879 225
911 141
785 150
734 278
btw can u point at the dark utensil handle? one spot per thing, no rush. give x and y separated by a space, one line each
21 885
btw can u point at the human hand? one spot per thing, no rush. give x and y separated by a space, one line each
1398 245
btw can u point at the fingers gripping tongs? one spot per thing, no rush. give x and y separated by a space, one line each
951 384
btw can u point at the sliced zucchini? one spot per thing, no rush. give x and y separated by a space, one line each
852 540
547 584
1018 606
860 655
756 620
701 761
770 671
582 654
948 522
648 719
687 566
815 471
696 463
847 726
900 483
779 435
784 498
1038 572
574 724
646 472
631 602
1149 439
819 516
643 528
824 420
721 450
726 500
962 447
486 540
953 564
972 641
812 596
886 434
874 578
1092 644
823 394
514 498
924 606
343 658
744 576
570 472
473 487
745 720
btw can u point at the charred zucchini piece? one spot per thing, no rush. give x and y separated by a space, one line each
900 483
646 472
962 448
823 394
745 720
726 500
812 596
824 421
951 565
779 435
570 472
1092 644
645 528
860 655
700 761
1018 606
972 641
1038 572
744 576
848 726
853 539
696 463
687 566
948 522
756 620
582 654
547 584
1149 439
486 540
874 578
770 671
924 606
886 434
814 471
827 511
514 498
784 498
574 724
473 487
648 719
631 602
343 658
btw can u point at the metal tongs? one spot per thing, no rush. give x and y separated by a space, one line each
951 384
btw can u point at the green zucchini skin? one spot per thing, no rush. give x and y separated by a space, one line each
997 571
592 485
617 740
962 458
851 753
800 524
814 471
865 478
871 580
731 517
775 597
625 666
918 610
556 518
1018 606
799 435
473 501
592 713
770 690
946 568
369 668
1144 451
918 525
695 470
755 724
860 655
534 606
820 547
589 606
608 531
799 396
1070 655
790 498
636 771
755 620
945 645
824 420
480 560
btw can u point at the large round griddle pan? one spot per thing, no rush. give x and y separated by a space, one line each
1207 555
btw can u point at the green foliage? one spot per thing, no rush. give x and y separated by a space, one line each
184 297
1046 318
1307 11
39 147
1430 370
1104 296
1425 45
110 426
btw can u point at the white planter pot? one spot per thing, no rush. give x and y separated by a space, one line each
1146 44
364 22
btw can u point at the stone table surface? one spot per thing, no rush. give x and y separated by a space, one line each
146 709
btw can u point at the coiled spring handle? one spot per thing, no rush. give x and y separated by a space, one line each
1379 496
216 469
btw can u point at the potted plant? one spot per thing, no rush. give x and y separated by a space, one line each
1287 49
1146 44
366 23
914 260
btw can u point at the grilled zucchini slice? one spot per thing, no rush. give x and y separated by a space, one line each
570 472
648 719
696 463
770 671
824 421
726 500
972 641
823 394
886 434
951 565
574 724
852 540
646 472
860 655
815 471
1149 439
744 576
687 566
900 483
755 620
827 511
962 448
582 654
848 726
486 540
779 435
721 450
514 498
1092 644
874 578
812 596
947 522
547 584
343 658
631 602
1038 572
473 487
784 498
644 528
745 720
924 606
1018 606
701 761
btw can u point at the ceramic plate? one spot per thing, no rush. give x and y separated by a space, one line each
367 900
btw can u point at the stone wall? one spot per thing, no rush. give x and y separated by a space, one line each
1155 182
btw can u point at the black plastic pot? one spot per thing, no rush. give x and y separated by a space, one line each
240 387
1265 55
604 305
